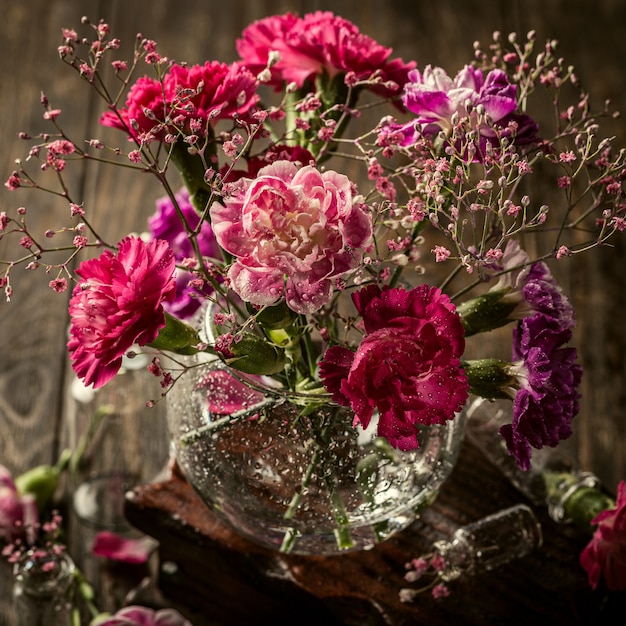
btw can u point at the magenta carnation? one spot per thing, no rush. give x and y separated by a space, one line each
407 366
317 43
292 231
118 303
165 224
204 93
605 555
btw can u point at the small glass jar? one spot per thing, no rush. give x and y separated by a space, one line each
42 591
489 543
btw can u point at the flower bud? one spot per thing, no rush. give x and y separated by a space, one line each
41 482
254 355
489 378
486 312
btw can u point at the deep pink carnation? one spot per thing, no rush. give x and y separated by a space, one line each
292 231
145 94
118 303
205 93
319 42
605 555
226 90
407 365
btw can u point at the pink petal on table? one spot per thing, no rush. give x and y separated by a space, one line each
112 546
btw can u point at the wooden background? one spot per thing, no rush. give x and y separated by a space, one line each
34 405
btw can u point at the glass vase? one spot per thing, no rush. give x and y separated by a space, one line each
42 589
291 472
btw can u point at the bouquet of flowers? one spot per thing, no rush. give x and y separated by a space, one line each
320 175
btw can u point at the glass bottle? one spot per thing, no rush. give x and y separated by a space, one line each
554 479
42 591
489 543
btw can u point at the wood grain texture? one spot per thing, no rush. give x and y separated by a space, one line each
34 405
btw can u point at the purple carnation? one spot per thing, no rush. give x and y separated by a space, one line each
548 378
532 287
165 224
435 98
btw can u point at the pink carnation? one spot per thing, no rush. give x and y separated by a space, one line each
145 95
201 92
407 365
18 513
226 90
319 42
605 555
118 303
292 231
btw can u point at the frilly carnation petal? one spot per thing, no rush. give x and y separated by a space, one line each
226 90
305 296
256 285
152 105
118 303
399 433
145 95
334 368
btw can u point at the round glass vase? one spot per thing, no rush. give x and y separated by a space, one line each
291 472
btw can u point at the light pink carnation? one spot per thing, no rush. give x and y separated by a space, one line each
407 365
292 232
118 303
319 42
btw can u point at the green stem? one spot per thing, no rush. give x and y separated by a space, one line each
194 435
580 499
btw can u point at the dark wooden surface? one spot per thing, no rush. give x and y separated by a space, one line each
34 404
